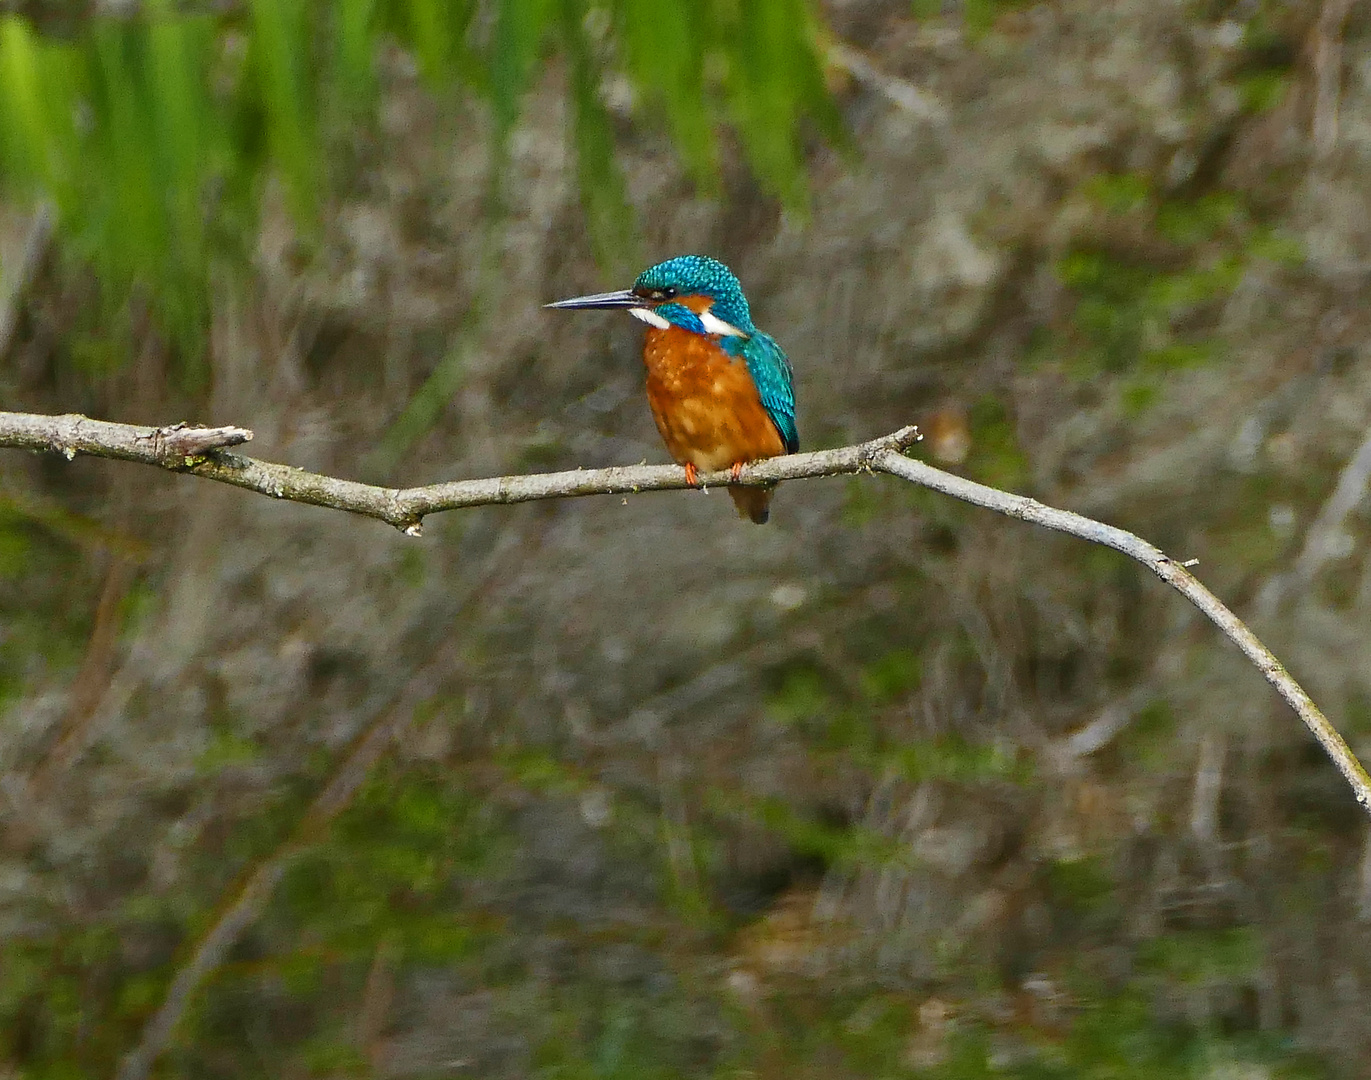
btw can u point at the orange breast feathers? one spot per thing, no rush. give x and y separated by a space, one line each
705 402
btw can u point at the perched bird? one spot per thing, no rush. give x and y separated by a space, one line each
720 390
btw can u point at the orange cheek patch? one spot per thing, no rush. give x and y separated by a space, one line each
702 306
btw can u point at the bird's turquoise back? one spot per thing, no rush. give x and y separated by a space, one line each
775 381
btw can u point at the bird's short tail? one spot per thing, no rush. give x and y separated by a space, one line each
753 503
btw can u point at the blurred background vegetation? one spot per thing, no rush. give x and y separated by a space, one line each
605 789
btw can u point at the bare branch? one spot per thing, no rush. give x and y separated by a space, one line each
1327 538
406 508
1101 731
1170 571
72 434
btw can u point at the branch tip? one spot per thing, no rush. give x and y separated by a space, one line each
189 440
906 437
895 443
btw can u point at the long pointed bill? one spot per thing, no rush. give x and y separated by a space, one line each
624 298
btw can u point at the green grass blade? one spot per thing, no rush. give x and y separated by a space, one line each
283 47
135 218
355 29
24 116
775 81
431 25
519 29
603 196
665 48
183 120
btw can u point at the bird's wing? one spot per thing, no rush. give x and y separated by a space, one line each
770 370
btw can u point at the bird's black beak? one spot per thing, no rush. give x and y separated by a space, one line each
624 298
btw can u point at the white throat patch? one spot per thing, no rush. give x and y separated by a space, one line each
716 325
711 322
649 316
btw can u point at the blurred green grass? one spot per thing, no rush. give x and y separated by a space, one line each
154 133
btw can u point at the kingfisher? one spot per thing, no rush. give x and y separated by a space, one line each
721 391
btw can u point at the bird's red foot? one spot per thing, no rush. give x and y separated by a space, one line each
736 471
692 475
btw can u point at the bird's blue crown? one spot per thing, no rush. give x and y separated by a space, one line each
699 275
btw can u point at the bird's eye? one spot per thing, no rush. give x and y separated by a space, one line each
657 296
